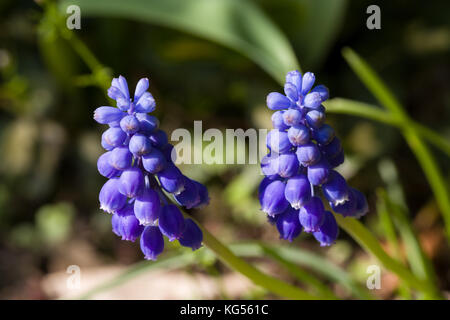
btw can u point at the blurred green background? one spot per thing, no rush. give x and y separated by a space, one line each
49 143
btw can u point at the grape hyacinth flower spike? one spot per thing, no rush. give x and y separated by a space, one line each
139 163
304 152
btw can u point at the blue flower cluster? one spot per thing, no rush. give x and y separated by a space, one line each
139 164
303 154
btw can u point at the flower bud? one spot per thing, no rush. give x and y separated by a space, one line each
297 191
328 231
361 204
324 135
121 158
110 198
152 242
132 182
277 101
203 195
154 161
278 122
335 189
105 115
147 123
139 145
318 173
115 93
146 103
105 144
290 91
346 208
171 222
114 137
141 87
122 84
278 141
295 77
158 138
292 117
288 224
115 224
263 184
129 124
127 224
169 153
308 154
272 199
171 179
124 104
192 235
311 215
307 82
269 166
323 91
337 160
332 149
312 100
104 166
189 196
287 165
298 135
147 207
315 118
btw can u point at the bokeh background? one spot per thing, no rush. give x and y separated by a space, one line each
49 144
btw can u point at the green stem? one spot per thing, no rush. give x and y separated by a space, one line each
368 111
374 83
369 243
302 275
272 284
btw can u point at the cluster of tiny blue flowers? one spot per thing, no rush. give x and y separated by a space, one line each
139 164
303 154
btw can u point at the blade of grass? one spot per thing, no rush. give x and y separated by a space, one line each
423 155
420 264
391 236
369 243
308 259
302 275
396 204
272 284
238 24
368 111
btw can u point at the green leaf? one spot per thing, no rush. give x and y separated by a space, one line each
368 111
237 24
311 25
434 175
369 243
302 275
397 208
390 234
304 258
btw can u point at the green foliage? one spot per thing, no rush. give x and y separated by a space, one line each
237 24
420 149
